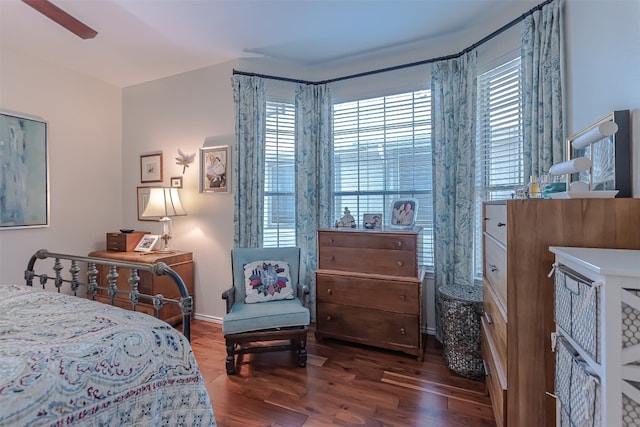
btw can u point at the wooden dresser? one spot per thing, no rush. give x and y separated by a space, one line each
518 295
369 288
181 262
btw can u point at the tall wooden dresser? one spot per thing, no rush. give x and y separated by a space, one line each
518 294
369 288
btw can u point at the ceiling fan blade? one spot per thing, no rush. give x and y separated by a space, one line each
58 15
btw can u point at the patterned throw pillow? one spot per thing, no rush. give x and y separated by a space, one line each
267 281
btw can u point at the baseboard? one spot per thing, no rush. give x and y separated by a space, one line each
207 318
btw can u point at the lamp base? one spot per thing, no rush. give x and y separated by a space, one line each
166 235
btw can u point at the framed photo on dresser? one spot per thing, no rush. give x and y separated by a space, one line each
403 213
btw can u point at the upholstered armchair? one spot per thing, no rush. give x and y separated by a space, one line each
266 303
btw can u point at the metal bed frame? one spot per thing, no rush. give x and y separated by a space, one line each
92 287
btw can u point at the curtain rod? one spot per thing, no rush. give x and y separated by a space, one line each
412 64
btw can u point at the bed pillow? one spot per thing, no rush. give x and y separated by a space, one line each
267 281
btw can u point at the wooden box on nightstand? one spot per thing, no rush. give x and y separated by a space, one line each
181 262
124 242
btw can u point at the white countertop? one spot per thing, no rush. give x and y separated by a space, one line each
614 262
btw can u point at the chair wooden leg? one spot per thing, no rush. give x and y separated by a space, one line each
302 350
230 361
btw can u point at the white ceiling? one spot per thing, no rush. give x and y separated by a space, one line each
142 40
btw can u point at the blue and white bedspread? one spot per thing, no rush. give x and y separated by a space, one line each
65 360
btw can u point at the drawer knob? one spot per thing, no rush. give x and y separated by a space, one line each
403 298
485 219
329 291
493 268
328 318
400 263
488 317
501 224
402 331
332 258
399 244
332 240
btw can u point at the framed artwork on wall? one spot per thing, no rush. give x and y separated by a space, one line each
151 168
176 181
24 183
214 169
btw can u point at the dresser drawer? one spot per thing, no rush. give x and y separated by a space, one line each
370 253
394 296
367 240
495 326
496 387
495 268
369 261
495 221
367 326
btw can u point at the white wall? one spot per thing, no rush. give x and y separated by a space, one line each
603 66
84 125
186 112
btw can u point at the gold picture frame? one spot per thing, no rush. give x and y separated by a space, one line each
151 168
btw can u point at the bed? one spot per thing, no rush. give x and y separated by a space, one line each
68 360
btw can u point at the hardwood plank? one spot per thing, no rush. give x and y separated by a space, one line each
344 384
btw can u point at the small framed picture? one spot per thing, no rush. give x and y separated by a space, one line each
151 168
176 181
143 199
403 213
147 243
214 169
372 221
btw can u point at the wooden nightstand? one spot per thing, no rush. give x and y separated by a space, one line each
180 261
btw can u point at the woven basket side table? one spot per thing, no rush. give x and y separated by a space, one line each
461 309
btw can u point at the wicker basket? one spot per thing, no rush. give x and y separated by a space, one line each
461 308
577 389
577 309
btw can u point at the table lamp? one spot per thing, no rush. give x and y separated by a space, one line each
164 202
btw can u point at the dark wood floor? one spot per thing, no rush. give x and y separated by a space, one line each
343 384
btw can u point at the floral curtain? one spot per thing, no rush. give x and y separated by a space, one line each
453 91
314 175
248 160
541 59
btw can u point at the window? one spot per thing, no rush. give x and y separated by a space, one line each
279 186
382 152
499 141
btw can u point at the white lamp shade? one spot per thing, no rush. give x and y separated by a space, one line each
163 202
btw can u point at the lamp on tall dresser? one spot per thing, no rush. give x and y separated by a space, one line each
164 202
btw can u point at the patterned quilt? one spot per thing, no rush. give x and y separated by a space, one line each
65 360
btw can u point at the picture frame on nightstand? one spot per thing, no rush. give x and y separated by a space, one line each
147 243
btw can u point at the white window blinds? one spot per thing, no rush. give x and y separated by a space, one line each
279 183
499 140
382 152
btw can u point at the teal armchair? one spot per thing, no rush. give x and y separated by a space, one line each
266 303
